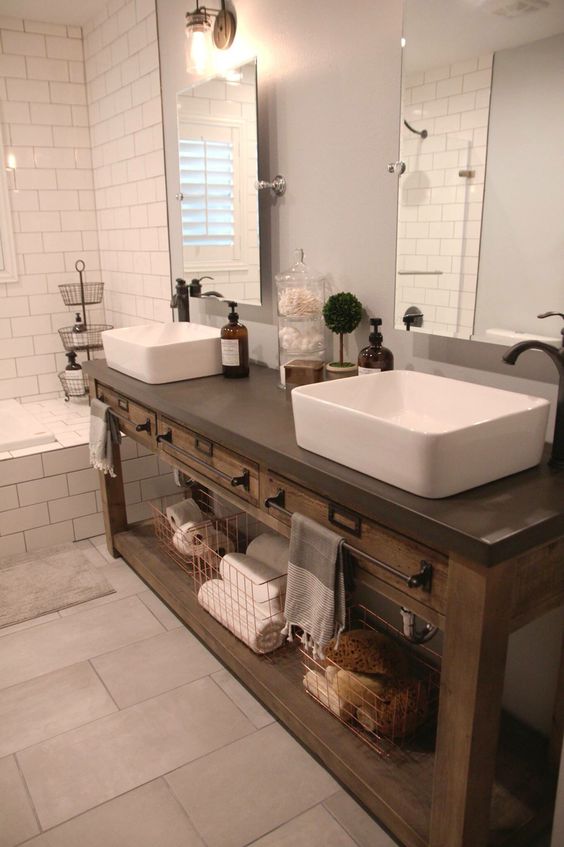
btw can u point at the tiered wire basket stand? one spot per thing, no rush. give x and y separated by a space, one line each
80 294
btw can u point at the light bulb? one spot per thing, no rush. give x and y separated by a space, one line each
199 48
11 161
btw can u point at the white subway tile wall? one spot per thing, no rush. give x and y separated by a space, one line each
45 126
124 102
440 211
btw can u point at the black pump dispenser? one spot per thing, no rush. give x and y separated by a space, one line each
375 358
234 346
72 363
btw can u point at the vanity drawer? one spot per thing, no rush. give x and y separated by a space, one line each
392 550
221 465
134 420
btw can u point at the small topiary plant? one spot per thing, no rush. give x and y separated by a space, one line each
342 314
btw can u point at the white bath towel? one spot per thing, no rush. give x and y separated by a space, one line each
272 549
317 684
182 512
224 603
258 580
202 539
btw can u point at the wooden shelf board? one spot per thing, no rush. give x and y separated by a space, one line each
396 790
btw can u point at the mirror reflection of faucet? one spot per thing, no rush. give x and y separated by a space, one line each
557 356
181 298
413 316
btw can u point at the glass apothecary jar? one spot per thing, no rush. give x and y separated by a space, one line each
300 295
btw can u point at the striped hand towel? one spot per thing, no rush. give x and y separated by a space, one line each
315 595
104 433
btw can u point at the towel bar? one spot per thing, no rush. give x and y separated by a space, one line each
423 579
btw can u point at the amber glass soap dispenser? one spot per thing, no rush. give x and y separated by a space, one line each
375 358
234 347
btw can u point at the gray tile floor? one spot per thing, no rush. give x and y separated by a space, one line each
118 728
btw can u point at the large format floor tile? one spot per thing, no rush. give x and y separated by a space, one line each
66 641
145 817
248 788
150 667
160 610
50 704
123 580
17 820
87 766
315 828
357 822
248 704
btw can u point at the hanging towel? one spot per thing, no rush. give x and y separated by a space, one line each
104 433
315 594
184 511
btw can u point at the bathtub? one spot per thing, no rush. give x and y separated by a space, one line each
19 428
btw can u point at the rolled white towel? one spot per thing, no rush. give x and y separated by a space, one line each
316 684
257 579
272 549
202 539
222 601
183 512
188 538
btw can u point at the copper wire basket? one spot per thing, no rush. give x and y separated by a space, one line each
88 339
386 713
72 294
247 603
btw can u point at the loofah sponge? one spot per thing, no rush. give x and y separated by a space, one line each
367 651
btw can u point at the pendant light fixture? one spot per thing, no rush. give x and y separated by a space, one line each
201 36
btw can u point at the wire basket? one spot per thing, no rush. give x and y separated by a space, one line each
183 543
244 592
75 383
72 295
88 339
383 711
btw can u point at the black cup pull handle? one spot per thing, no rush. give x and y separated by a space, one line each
144 427
165 436
243 480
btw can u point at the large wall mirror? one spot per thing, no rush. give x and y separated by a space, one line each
218 198
480 248
8 261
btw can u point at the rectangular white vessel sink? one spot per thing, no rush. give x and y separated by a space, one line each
427 434
167 352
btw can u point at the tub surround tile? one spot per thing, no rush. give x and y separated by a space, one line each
280 781
87 766
49 705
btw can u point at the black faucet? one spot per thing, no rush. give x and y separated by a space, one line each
557 356
181 299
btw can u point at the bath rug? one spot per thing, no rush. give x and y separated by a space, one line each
34 584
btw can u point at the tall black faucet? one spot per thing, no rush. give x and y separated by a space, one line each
181 298
557 356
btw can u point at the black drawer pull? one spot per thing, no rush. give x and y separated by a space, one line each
123 404
243 480
165 436
204 446
422 579
344 519
144 427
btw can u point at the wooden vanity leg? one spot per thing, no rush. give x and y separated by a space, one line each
557 731
113 502
475 650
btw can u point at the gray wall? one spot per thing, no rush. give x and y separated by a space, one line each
329 89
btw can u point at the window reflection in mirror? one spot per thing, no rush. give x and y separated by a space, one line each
482 199
218 199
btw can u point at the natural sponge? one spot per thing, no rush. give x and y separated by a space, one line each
368 651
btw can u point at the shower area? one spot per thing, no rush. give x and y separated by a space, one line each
443 145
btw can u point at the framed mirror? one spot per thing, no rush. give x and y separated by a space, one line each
480 249
218 198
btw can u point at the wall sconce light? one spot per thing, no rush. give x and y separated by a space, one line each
11 164
201 37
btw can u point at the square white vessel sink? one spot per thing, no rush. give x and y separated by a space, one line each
426 434
168 352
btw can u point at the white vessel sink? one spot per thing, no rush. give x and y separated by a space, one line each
167 352
426 434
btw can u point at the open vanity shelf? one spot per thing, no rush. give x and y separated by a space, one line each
238 440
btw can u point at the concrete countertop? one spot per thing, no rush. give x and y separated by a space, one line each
254 417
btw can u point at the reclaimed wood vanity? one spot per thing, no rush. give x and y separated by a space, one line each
478 565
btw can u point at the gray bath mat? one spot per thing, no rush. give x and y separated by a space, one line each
33 584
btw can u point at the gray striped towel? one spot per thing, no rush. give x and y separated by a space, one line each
104 433
315 594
